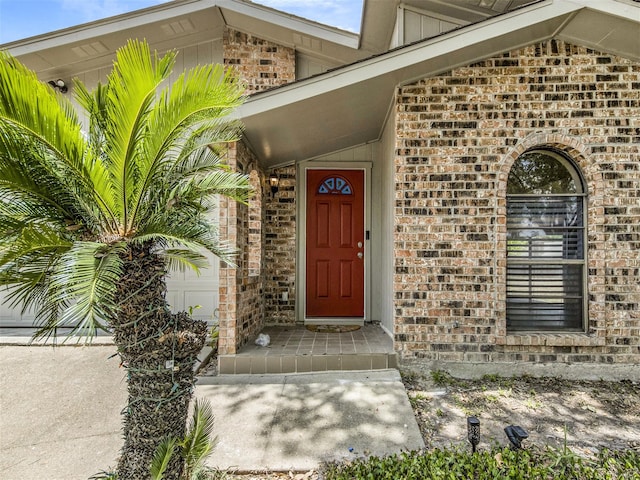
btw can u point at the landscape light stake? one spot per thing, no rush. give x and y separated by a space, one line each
516 434
473 432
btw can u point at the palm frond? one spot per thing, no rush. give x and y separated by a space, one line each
203 95
56 125
179 259
94 104
34 240
204 149
187 236
198 442
48 148
32 182
131 90
27 259
29 289
218 182
87 275
161 458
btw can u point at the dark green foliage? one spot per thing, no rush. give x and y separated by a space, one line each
498 463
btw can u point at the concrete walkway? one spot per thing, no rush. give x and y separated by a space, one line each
60 415
282 422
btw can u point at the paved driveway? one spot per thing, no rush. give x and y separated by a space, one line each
59 411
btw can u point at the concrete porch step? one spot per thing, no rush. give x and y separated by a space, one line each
295 349
261 364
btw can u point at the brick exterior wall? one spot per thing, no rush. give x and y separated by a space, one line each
241 293
280 248
457 136
261 64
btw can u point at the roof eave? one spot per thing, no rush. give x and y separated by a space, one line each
269 24
348 106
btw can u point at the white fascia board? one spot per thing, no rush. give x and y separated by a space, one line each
88 31
167 11
292 22
407 56
618 8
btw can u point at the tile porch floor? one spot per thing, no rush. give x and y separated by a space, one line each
294 349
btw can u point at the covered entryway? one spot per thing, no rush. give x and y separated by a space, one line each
335 239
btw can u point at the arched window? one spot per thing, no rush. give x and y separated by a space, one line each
545 244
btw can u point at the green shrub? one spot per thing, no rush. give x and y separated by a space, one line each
498 463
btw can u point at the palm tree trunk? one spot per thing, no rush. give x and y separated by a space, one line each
159 350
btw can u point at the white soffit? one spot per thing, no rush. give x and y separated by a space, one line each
606 33
348 106
175 25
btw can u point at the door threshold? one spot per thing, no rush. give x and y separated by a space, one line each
334 321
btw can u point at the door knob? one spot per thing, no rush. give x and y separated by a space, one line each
359 244
360 255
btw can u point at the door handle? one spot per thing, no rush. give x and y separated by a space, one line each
360 254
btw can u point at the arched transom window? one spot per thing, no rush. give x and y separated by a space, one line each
545 244
335 185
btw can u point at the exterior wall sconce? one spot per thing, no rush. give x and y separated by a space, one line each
274 183
58 85
473 432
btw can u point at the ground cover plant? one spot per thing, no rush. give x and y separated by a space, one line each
496 463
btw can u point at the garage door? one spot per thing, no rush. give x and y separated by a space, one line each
13 318
188 290
185 290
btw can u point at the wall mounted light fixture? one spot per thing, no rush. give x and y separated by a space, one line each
274 183
59 85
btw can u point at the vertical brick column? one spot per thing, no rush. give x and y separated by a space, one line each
228 231
262 65
280 249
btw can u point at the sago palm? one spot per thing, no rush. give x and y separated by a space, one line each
94 212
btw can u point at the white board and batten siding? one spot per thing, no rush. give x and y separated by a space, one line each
413 25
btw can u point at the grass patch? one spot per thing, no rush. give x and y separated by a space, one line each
498 463
444 379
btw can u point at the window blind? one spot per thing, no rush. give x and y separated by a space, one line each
545 262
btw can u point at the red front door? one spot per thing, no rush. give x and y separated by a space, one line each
335 243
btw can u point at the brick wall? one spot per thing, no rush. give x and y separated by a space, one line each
280 248
262 64
241 290
457 136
